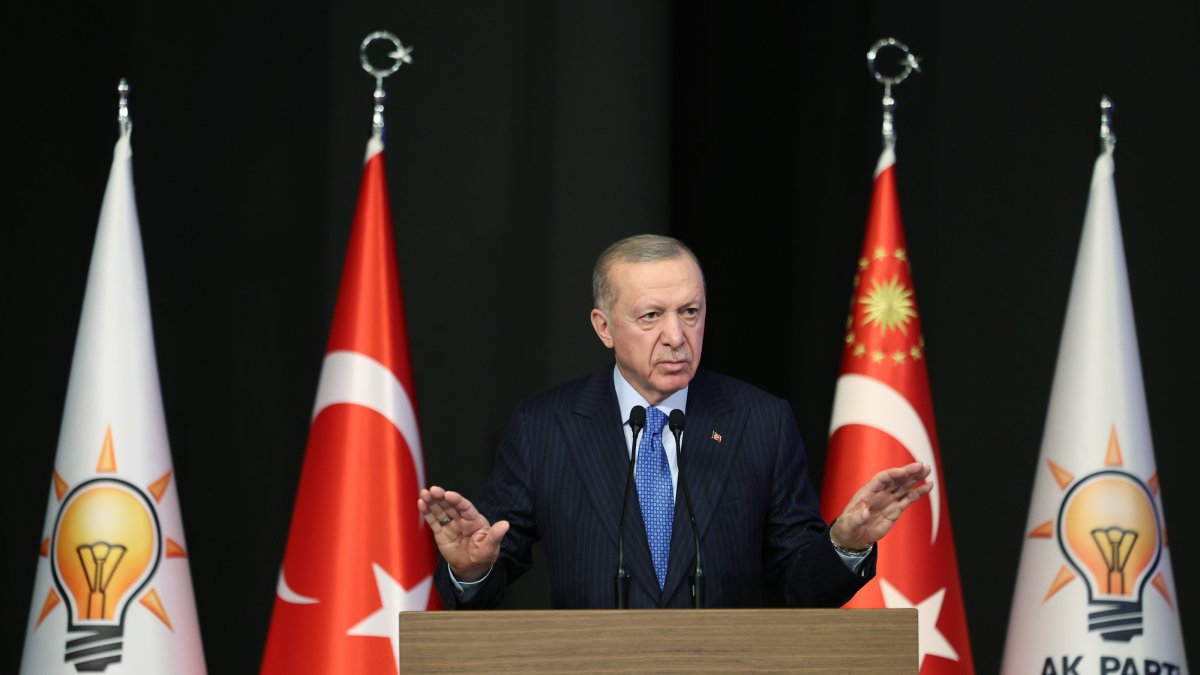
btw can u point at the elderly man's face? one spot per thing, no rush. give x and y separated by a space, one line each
656 324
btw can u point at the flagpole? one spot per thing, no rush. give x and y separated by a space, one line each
909 63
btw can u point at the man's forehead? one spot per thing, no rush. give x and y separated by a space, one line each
674 277
669 270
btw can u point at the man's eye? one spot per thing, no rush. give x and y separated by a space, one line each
691 312
650 316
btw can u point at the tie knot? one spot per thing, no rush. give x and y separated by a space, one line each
655 421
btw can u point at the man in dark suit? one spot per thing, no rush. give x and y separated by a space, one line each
561 471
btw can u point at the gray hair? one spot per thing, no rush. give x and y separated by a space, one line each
640 248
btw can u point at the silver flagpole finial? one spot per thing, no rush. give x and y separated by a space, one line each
909 62
1108 138
400 55
124 123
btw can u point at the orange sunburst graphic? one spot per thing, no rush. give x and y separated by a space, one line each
1064 577
159 487
52 601
175 550
1113 456
1111 536
60 486
152 602
1043 531
1061 475
106 547
1160 583
108 456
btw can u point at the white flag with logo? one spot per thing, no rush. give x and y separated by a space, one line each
113 592
1095 592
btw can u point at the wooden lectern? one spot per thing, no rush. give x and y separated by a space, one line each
860 641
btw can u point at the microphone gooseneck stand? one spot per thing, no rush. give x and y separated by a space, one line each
637 422
676 422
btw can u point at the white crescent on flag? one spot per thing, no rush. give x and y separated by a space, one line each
351 377
354 378
286 593
864 400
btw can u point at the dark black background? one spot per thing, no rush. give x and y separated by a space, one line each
526 137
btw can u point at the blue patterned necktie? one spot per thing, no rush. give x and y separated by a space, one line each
654 491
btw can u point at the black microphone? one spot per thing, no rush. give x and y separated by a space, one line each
637 422
676 421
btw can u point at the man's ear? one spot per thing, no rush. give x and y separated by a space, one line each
600 325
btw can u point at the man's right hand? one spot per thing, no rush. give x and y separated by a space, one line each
468 542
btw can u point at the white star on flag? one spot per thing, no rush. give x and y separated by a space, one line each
385 621
929 639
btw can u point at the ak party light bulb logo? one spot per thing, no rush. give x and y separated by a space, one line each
106 545
1110 531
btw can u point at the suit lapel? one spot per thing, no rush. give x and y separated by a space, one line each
596 442
707 463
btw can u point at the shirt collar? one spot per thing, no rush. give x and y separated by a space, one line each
627 397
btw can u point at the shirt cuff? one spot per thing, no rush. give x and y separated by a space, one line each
465 590
853 560
855 563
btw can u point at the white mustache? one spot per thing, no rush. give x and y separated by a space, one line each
681 355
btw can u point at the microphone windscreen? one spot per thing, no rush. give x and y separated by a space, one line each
676 420
637 417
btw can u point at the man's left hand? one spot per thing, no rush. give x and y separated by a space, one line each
874 509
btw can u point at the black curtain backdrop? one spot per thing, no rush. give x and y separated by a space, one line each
527 136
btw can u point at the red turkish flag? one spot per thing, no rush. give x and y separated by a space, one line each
883 417
358 552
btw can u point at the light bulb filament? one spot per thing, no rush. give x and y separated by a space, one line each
99 561
1115 545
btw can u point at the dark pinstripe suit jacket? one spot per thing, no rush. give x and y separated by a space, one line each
560 476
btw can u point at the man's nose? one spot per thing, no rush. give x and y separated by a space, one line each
672 330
